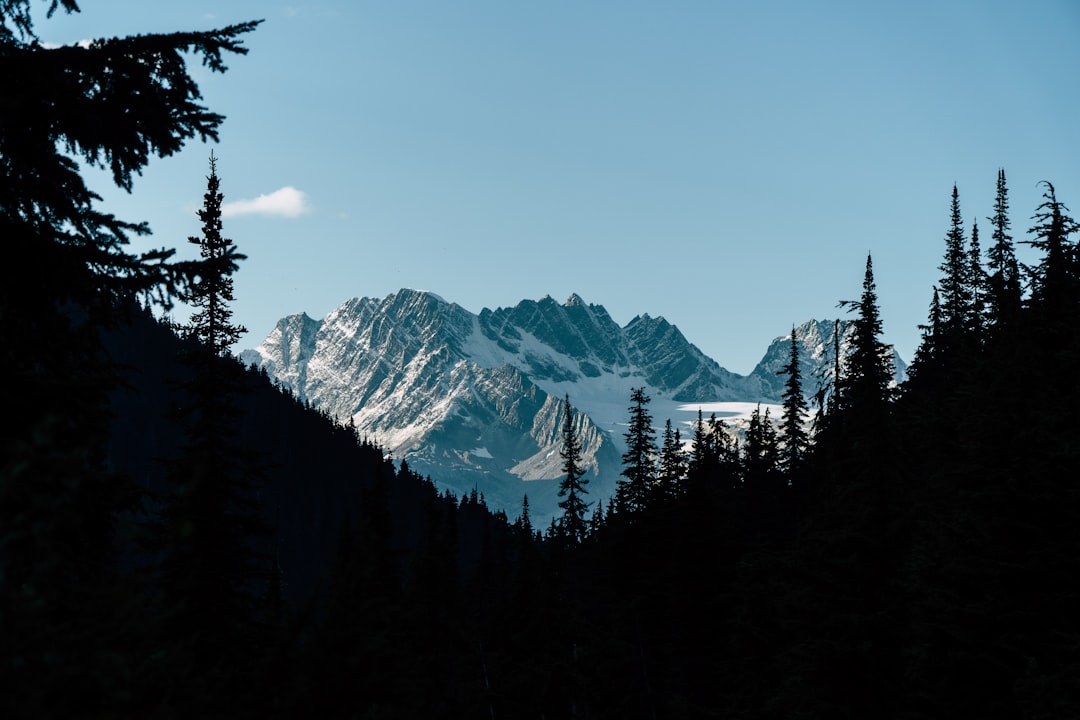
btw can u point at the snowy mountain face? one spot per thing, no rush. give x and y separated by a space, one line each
817 353
475 401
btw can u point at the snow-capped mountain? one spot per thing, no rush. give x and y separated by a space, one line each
816 357
475 401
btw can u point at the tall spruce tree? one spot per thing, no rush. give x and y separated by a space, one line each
212 292
925 369
868 370
673 463
793 435
1003 281
634 490
977 278
211 574
573 525
956 288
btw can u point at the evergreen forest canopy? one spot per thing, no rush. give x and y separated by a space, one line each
908 553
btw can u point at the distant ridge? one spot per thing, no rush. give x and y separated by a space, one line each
475 400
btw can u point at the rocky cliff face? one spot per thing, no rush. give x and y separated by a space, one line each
475 401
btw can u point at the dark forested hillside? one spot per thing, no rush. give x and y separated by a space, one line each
312 472
344 532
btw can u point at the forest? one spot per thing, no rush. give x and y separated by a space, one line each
181 538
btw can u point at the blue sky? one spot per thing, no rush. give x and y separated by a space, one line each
727 165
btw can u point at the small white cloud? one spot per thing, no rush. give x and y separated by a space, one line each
47 45
286 202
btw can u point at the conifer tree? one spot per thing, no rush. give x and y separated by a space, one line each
525 521
699 448
673 463
211 325
865 385
828 399
925 369
634 491
794 438
1056 280
979 287
761 451
1003 281
714 453
713 462
955 285
210 571
572 486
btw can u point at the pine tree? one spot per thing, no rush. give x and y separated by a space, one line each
1003 281
572 486
793 434
699 448
525 521
634 491
211 325
979 288
865 385
925 370
210 570
956 288
1056 280
761 451
673 463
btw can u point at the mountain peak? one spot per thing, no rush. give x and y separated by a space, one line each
574 301
412 294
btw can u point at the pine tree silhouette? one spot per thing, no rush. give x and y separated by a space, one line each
571 488
1003 281
212 573
634 491
794 437
211 325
